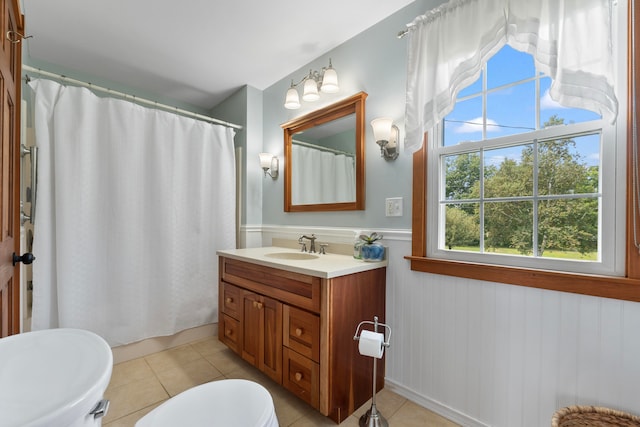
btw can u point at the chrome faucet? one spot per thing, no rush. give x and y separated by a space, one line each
302 244
312 241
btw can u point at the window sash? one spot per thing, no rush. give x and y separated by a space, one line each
611 257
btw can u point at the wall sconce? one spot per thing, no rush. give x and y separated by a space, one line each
269 162
387 136
325 80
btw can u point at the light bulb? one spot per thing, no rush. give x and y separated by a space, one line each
330 81
292 100
265 160
382 128
310 92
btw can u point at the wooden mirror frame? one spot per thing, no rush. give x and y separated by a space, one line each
354 104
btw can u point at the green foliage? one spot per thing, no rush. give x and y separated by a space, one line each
509 224
463 176
369 239
567 224
462 228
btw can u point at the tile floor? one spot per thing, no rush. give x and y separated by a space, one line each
139 385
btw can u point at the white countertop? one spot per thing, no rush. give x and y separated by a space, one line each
325 266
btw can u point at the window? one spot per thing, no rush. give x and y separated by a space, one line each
519 180
513 188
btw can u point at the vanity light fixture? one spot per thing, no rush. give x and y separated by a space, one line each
387 136
269 164
325 80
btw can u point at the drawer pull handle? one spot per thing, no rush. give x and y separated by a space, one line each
229 300
298 332
298 376
259 305
229 332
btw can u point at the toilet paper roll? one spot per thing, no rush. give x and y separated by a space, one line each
371 344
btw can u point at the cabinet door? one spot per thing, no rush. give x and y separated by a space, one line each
250 324
262 334
271 339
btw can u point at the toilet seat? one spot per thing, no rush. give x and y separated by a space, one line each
52 377
229 403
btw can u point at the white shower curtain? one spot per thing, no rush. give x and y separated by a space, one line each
132 205
321 177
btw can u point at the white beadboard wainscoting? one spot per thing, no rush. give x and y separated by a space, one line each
489 354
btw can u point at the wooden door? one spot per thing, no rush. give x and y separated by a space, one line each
10 75
262 334
250 324
270 361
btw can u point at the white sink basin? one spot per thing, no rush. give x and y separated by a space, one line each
291 255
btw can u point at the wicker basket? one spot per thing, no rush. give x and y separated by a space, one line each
578 416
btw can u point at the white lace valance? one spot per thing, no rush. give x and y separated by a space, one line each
570 41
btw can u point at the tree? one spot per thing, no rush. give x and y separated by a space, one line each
567 223
463 182
462 228
506 220
463 176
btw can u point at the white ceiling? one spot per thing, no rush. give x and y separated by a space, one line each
195 51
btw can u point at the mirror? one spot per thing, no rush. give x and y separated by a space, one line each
324 158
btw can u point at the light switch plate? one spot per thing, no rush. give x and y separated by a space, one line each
393 206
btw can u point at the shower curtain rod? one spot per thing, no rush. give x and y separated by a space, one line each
321 148
130 97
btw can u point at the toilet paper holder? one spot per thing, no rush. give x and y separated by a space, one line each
373 418
375 324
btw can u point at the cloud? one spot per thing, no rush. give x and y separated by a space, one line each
546 103
498 159
593 159
475 125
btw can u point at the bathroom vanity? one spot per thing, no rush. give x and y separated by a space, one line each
293 315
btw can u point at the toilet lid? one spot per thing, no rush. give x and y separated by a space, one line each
229 403
52 377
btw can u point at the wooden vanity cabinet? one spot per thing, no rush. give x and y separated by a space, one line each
298 329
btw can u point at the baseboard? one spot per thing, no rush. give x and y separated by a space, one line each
153 345
433 405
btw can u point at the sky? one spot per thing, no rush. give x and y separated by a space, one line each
511 108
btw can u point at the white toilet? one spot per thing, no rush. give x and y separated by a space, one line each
54 377
228 403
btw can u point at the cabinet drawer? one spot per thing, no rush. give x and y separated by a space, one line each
301 332
297 289
301 377
228 330
230 300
